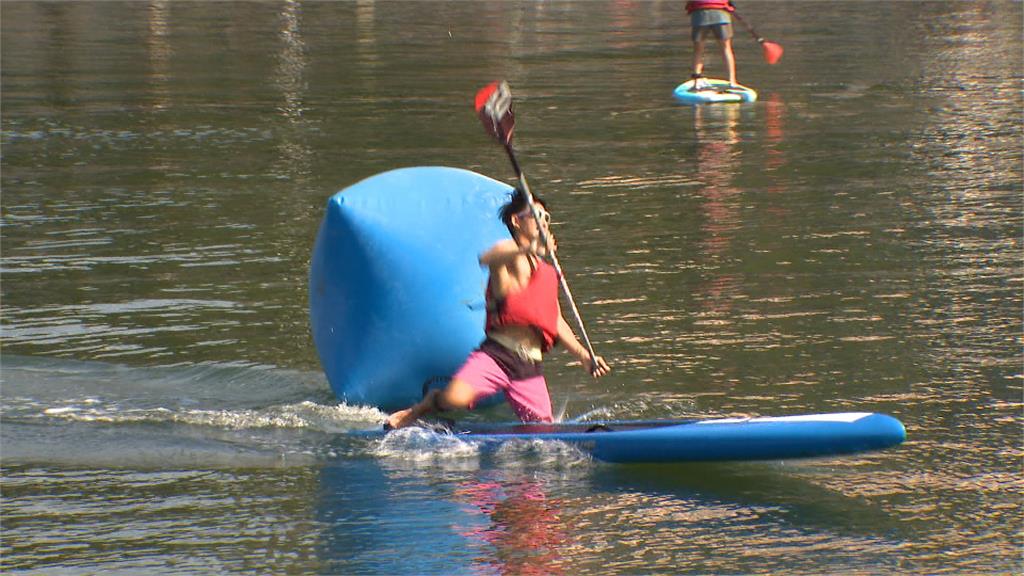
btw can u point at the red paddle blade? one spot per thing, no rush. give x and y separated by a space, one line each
494 107
772 51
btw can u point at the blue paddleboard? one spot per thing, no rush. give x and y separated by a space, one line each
717 91
396 296
729 439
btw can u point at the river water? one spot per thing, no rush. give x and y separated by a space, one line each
852 241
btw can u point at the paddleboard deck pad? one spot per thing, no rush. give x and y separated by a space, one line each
717 91
728 439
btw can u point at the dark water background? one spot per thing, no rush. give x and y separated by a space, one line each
852 241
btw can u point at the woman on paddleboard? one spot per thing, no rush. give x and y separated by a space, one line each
524 321
711 17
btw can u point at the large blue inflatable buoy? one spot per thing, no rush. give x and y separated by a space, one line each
396 294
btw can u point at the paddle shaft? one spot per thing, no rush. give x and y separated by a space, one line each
551 253
748 27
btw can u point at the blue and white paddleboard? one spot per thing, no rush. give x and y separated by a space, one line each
729 439
396 296
717 91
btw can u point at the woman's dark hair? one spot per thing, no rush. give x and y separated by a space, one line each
515 205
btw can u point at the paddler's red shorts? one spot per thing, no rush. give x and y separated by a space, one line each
493 368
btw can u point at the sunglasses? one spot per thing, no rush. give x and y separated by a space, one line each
545 218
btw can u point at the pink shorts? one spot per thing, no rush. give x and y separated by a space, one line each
529 397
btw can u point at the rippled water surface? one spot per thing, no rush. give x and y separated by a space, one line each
852 241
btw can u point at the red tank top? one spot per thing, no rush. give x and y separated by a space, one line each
694 5
536 305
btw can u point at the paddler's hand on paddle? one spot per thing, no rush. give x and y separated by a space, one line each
596 366
545 251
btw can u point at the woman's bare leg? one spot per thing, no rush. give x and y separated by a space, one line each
457 395
730 60
698 57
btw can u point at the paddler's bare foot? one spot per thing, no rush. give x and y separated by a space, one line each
400 419
409 416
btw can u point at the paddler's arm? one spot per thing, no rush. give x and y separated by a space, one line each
502 253
567 338
500 260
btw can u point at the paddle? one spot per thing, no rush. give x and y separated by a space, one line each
772 51
494 108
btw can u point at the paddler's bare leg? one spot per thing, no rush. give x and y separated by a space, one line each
456 395
730 60
698 57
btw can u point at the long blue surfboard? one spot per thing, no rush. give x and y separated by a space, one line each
728 439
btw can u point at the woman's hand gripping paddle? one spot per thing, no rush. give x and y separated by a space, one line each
772 51
494 107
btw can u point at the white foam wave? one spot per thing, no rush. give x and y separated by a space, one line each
545 453
305 414
422 446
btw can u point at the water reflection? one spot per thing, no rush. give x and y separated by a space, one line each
525 531
718 160
159 47
366 39
291 62
296 156
774 135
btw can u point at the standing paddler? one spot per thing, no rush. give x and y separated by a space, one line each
707 18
